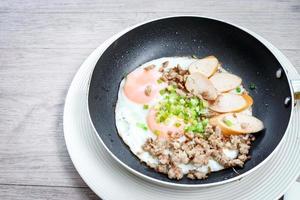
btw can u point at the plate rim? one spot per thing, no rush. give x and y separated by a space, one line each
69 138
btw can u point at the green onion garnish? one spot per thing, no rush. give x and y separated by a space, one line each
146 107
252 86
238 89
177 124
228 122
156 132
188 109
159 81
162 92
142 126
205 122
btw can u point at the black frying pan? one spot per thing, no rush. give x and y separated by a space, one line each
238 51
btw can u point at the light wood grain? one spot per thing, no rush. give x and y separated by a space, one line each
35 33
33 102
19 192
43 43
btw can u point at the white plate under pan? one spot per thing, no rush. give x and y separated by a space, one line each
109 180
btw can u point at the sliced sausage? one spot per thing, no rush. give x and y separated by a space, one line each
224 82
200 86
237 123
206 66
228 102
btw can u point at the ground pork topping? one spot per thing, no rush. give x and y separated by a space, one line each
150 67
196 150
193 174
177 77
148 90
175 172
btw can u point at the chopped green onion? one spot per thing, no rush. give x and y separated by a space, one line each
188 109
195 101
157 132
177 124
171 88
205 122
252 86
194 56
228 122
142 126
205 104
187 129
146 107
238 89
182 101
162 91
159 81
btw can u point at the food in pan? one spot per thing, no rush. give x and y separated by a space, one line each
186 116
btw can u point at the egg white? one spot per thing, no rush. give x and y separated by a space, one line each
128 114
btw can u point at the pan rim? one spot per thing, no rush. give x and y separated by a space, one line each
183 185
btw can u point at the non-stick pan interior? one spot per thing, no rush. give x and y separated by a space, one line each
238 52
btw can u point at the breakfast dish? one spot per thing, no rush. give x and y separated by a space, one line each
186 116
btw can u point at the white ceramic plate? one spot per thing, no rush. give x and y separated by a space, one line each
111 181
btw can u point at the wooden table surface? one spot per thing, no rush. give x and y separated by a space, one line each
43 43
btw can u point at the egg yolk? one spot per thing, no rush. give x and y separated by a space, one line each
161 129
138 81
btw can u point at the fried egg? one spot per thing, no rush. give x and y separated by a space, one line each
135 118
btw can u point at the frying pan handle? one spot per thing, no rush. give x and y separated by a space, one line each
296 88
